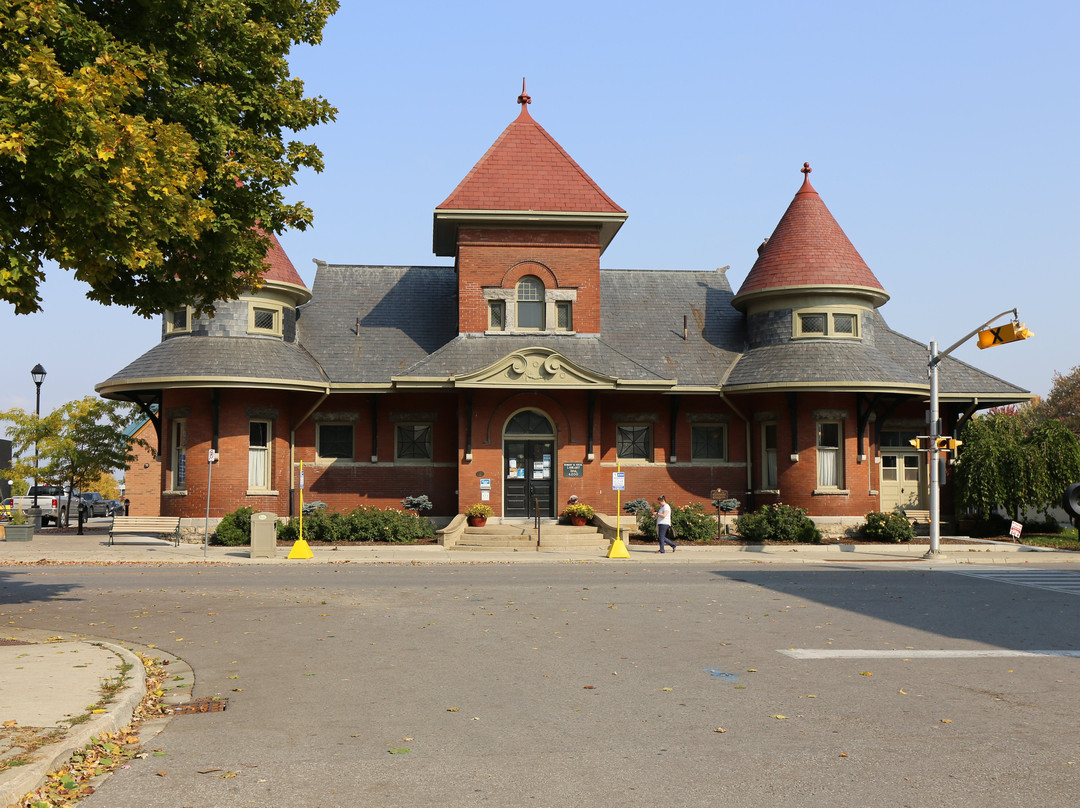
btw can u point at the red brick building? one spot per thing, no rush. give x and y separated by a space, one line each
526 373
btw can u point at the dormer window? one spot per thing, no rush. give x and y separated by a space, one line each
825 323
530 304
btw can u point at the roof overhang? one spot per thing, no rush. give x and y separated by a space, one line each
447 223
875 296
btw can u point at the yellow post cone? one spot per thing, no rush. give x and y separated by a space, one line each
300 549
618 549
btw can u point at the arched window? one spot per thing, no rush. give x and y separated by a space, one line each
530 304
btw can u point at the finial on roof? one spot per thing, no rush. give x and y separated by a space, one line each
524 98
806 169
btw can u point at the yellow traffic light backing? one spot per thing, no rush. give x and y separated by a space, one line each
1010 332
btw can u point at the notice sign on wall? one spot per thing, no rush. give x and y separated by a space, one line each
573 469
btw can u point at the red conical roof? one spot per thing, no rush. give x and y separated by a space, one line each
525 170
278 266
808 248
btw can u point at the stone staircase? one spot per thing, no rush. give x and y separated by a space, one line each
522 536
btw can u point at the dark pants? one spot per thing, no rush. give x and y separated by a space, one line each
661 534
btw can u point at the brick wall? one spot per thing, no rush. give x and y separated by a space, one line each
142 478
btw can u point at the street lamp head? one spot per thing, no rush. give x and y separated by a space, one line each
38 374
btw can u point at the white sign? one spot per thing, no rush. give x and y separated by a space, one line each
212 457
485 496
485 484
618 481
1014 530
301 478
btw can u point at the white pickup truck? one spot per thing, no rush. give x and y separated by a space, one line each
53 500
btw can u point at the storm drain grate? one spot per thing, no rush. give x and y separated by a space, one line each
205 705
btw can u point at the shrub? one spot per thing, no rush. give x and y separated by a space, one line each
689 523
234 528
417 504
366 523
778 523
636 505
887 527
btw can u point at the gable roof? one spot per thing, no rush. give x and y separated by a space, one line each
808 249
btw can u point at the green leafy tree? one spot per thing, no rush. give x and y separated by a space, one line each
75 443
1002 464
143 144
1063 402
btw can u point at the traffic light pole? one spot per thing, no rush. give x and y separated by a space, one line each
935 431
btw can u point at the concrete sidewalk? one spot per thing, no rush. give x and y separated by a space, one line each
48 681
94 548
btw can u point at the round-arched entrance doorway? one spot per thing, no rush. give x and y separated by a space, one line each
529 465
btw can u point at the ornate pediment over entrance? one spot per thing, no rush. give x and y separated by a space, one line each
534 367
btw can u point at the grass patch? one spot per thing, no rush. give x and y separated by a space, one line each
1065 540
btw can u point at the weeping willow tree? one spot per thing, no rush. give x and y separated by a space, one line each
1003 464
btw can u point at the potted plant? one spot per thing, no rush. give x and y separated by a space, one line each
478 514
18 528
579 513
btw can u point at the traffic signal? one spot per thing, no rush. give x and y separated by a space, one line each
1010 332
948 444
923 443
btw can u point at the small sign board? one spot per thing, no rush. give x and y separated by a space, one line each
618 481
485 484
718 493
213 456
1014 530
573 469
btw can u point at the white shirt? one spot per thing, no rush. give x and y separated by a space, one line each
663 514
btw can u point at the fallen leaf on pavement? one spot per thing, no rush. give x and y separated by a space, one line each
719 729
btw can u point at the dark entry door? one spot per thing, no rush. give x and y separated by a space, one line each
528 469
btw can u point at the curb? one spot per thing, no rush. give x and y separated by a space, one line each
20 781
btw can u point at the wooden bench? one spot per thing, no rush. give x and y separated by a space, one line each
143 525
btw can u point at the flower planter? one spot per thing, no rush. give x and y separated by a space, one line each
578 521
18 532
477 521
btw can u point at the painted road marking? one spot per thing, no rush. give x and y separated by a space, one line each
867 653
1067 581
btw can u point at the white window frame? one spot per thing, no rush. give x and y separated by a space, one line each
533 285
770 480
260 455
178 455
319 457
830 459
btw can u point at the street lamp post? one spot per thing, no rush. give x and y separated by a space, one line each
935 425
38 375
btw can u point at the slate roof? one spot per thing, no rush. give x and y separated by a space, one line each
408 327
219 361
808 248
526 169
891 361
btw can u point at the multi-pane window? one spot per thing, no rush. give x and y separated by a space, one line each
768 457
334 441
708 442
826 324
633 442
413 442
178 459
564 314
497 315
263 319
829 457
530 304
259 455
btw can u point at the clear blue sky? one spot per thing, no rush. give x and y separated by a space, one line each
943 138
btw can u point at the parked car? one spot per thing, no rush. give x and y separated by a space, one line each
53 501
115 507
93 504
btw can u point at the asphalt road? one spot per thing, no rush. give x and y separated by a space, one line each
589 685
